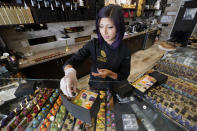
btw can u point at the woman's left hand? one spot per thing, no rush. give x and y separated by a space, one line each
103 73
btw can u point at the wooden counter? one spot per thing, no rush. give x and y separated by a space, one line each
31 60
48 64
62 51
139 33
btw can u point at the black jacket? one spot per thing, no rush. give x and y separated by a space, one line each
103 57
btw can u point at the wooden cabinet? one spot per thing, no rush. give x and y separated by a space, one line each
53 69
142 41
149 39
135 43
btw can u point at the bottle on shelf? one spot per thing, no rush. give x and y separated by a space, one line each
67 47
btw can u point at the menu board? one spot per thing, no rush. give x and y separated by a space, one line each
123 3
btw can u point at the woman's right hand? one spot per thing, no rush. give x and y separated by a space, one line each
68 83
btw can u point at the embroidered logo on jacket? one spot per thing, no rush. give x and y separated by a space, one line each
102 58
103 53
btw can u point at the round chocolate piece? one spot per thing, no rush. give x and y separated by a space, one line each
65 126
35 123
51 99
3 122
59 120
73 93
40 116
52 118
57 90
30 129
59 115
11 115
48 106
84 95
113 125
54 124
18 118
28 98
63 108
54 129
9 128
16 122
92 98
70 121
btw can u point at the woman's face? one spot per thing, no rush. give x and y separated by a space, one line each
107 30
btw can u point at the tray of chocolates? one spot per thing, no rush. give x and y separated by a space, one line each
177 70
52 104
100 122
48 56
79 125
105 117
84 106
181 87
45 111
174 105
27 100
144 83
29 103
69 123
110 115
85 99
38 112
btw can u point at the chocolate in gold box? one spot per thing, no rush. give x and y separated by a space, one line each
84 106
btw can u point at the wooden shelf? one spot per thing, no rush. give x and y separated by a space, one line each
41 5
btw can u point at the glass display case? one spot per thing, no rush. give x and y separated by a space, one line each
38 104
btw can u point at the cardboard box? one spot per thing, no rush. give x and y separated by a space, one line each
156 79
86 115
143 84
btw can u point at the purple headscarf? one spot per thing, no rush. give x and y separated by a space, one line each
115 13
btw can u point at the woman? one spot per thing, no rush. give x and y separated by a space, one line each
110 56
